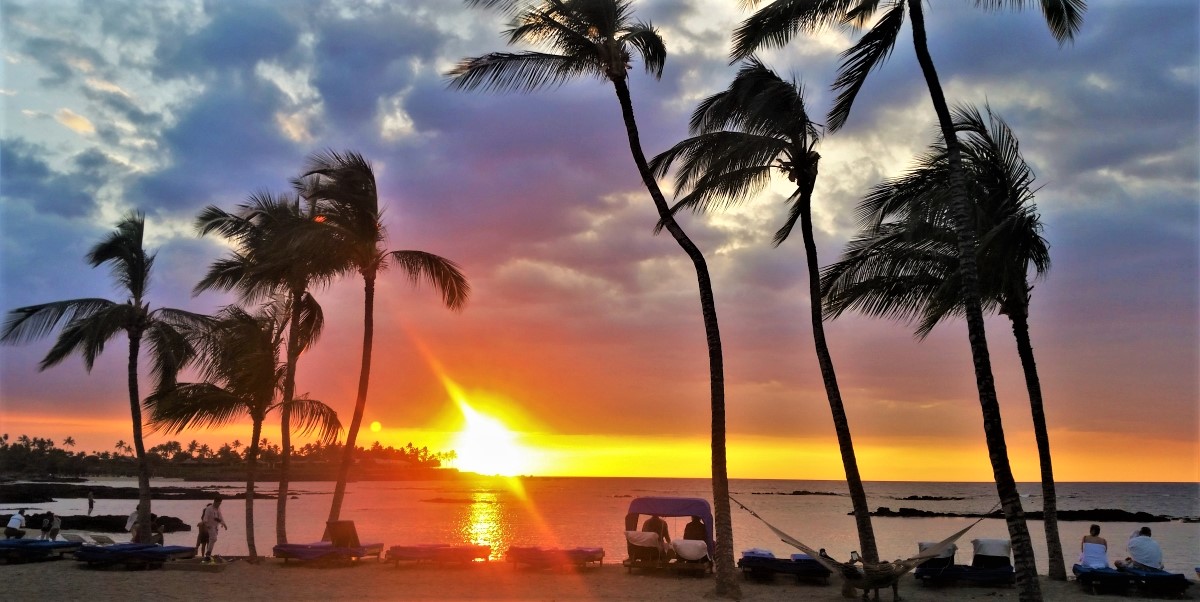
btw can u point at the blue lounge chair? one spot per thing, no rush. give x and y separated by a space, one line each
438 553
26 550
1155 582
343 546
543 558
990 566
132 555
1102 580
764 567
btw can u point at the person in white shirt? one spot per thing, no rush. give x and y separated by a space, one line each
15 527
1144 552
211 518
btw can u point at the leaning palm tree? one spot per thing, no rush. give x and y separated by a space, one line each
774 25
598 38
240 374
341 190
903 264
91 323
266 264
757 125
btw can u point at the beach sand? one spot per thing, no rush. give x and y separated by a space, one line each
370 580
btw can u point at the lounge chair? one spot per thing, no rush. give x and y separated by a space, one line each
26 550
103 540
73 537
343 546
438 553
1156 582
991 565
1105 580
542 558
762 565
646 550
132 555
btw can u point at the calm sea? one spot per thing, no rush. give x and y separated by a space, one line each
568 512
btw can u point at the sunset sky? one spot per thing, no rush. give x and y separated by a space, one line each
582 343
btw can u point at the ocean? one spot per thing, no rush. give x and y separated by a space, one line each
586 511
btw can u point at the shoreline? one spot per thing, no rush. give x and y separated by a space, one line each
496 580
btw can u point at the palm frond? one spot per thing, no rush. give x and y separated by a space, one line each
170 350
1064 17
310 415
129 264
649 45
89 335
871 50
192 405
33 322
443 274
521 71
774 25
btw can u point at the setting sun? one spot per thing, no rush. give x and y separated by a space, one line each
486 446
376 427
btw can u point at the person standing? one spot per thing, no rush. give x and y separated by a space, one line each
55 526
46 524
212 518
16 526
91 503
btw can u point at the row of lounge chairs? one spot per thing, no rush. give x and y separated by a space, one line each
1150 582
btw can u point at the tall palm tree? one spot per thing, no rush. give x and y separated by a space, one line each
903 263
340 186
774 25
740 135
240 374
266 264
90 323
598 38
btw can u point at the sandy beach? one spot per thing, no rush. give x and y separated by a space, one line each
370 580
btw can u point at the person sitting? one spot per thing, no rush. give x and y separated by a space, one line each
1093 550
655 524
1144 552
695 529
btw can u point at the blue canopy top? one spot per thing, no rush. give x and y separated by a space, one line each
677 506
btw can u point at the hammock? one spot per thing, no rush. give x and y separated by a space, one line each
870 575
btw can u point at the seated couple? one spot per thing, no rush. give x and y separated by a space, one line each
1144 552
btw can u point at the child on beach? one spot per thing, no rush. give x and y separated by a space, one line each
211 518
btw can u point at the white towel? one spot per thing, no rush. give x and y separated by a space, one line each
1094 555
690 549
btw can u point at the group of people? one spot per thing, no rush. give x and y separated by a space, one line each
1144 552
15 529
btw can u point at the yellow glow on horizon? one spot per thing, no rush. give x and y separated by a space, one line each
376 427
485 444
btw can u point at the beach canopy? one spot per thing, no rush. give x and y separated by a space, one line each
676 506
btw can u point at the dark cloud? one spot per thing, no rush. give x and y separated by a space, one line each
26 178
238 37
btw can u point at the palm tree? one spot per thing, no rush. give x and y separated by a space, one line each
240 375
903 264
69 442
774 25
598 38
266 264
341 190
90 323
758 124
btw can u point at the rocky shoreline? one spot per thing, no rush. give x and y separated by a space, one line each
42 493
1098 515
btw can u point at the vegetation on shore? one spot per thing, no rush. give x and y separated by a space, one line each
37 457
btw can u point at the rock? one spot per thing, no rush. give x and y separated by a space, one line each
42 493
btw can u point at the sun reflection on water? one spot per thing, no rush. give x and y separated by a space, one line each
484 524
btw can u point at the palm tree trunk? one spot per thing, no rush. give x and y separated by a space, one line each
1020 325
1028 588
285 418
841 424
142 527
339 490
251 470
727 584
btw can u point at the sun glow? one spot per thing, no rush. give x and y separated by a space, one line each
486 446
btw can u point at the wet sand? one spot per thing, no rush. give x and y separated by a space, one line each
496 580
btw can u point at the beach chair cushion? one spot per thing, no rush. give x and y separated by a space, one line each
992 547
690 549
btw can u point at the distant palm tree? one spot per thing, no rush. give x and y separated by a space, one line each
240 375
90 323
739 136
69 442
266 264
774 25
345 202
903 263
598 38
